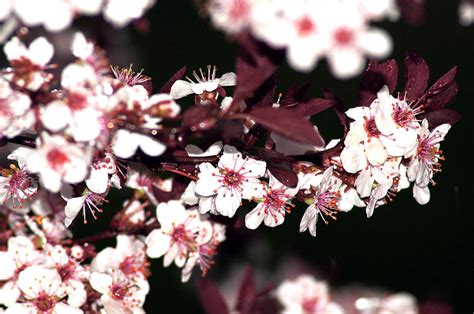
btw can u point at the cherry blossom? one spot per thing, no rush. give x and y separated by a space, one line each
180 233
232 16
58 161
122 12
306 295
43 291
207 86
426 157
233 179
324 202
395 303
272 208
15 116
28 63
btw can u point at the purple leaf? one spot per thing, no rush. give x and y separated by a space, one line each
264 96
211 299
288 123
441 84
417 74
314 106
442 116
255 64
247 291
283 173
376 76
295 94
338 108
442 99
412 11
198 117
166 88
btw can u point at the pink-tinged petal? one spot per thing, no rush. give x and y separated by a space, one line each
8 266
157 243
180 260
228 79
124 144
227 202
208 182
346 63
375 152
150 146
274 220
76 292
33 279
98 180
252 189
405 137
51 180
198 88
41 51
63 308
357 133
56 116
231 160
101 282
19 308
9 294
376 43
358 113
421 194
256 168
170 255
424 175
309 220
170 213
391 145
73 206
353 158
254 218
364 183
441 131
14 49
180 89
301 58
86 126
207 204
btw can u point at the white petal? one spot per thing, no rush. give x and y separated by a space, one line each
41 51
56 116
422 195
346 63
228 79
353 158
376 43
180 89
101 282
309 220
124 144
150 146
375 152
254 218
98 180
157 243
227 202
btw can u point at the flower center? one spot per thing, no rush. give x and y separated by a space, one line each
327 202
119 291
132 265
77 101
57 158
66 271
240 9
371 128
343 36
310 305
232 178
305 26
44 302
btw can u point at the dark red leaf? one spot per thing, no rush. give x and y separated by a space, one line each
166 88
442 116
255 64
441 84
288 123
417 74
247 291
211 299
314 106
442 99
295 94
412 11
264 96
283 173
376 76
198 117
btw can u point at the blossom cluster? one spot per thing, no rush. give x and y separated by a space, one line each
339 31
57 15
74 134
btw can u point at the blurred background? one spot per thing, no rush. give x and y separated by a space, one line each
423 250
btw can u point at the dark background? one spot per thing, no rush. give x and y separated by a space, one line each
424 250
